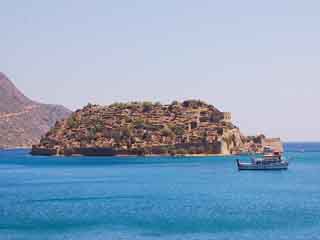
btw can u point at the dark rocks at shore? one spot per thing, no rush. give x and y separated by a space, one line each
172 150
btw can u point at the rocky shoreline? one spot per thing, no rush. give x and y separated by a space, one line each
102 153
168 150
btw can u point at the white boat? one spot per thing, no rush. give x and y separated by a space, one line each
270 161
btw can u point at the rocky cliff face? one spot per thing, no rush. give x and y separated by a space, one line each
140 128
23 121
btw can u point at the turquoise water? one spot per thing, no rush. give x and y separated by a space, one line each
158 198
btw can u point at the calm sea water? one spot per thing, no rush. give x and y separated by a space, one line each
158 198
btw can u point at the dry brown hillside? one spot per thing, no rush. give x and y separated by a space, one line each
23 121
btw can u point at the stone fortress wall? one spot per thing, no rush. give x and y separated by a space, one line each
274 143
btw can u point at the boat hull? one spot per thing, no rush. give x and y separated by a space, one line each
250 166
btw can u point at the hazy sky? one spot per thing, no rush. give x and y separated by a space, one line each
259 60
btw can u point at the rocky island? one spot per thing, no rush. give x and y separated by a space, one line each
145 128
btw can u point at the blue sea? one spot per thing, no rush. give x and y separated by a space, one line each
158 197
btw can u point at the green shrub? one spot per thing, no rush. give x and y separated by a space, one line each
178 130
157 104
120 106
126 132
163 150
72 122
147 106
174 103
166 132
92 134
98 126
181 151
138 123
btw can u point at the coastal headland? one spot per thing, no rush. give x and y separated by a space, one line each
191 127
22 120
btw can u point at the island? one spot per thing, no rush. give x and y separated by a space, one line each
191 127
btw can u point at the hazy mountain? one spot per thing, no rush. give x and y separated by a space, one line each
23 121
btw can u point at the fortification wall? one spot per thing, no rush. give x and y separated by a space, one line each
275 143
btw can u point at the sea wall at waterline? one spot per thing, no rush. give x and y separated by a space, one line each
177 149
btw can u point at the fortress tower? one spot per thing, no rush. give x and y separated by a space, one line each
226 117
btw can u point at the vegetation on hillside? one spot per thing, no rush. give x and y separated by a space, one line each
140 128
